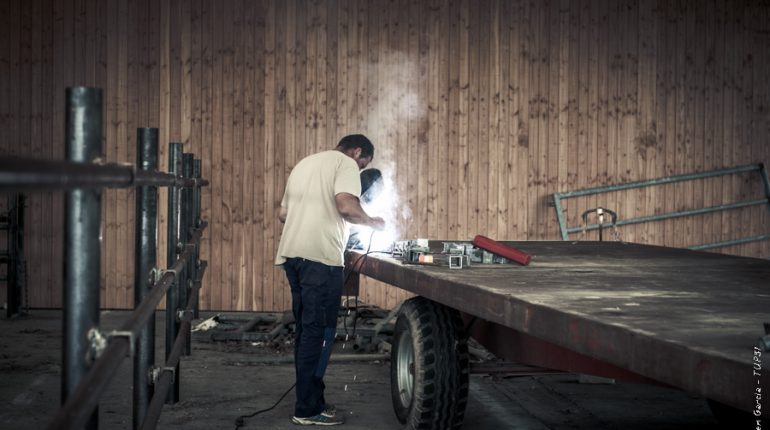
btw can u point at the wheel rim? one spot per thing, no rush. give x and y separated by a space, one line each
405 368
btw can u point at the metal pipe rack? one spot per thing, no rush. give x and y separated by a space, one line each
760 169
91 356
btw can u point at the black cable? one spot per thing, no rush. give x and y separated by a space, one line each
240 420
347 277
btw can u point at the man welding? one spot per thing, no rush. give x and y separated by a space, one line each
371 187
322 194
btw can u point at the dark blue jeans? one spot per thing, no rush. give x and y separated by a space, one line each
316 291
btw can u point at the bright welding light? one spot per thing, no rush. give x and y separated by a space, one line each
385 204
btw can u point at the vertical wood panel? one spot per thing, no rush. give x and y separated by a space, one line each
474 121
204 18
455 159
249 81
238 92
551 162
479 111
645 140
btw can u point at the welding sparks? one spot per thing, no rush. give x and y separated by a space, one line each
386 204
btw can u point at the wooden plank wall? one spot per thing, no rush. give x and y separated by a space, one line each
480 110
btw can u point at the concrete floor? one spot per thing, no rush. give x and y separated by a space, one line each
222 381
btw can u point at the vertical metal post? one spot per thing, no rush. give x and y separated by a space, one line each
187 226
560 216
21 262
12 273
172 297
197 223
145 258
765 182
82 220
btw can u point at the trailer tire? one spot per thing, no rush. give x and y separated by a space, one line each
429 366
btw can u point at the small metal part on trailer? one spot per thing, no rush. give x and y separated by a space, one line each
456 255
677 317
498 248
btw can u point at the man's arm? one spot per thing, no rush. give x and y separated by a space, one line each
282 214
351 211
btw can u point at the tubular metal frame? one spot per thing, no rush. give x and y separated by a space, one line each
565 230
90 356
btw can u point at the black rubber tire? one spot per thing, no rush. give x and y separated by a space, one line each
440 368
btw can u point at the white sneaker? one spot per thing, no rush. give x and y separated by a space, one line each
317 420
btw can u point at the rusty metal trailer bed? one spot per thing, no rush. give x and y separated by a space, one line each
677 317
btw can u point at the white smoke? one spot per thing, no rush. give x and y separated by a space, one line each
397 99
397 105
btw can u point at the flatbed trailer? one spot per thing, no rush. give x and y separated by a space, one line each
680 318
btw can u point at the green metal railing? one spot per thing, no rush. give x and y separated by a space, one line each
759 168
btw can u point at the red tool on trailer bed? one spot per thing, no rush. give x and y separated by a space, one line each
686 319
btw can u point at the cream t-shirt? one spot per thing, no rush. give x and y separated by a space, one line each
314 230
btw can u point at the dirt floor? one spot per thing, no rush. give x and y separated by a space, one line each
221 381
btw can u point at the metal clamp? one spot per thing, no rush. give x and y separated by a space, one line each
169 369
176 274
128 335
97 344
155 372
155 275
180 314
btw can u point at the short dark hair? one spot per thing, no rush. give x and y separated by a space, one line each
353 141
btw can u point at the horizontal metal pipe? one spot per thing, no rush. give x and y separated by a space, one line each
18 173
167 378
730 242
156 404
82 402
670 215
659 181
85 397
146 309
201 271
